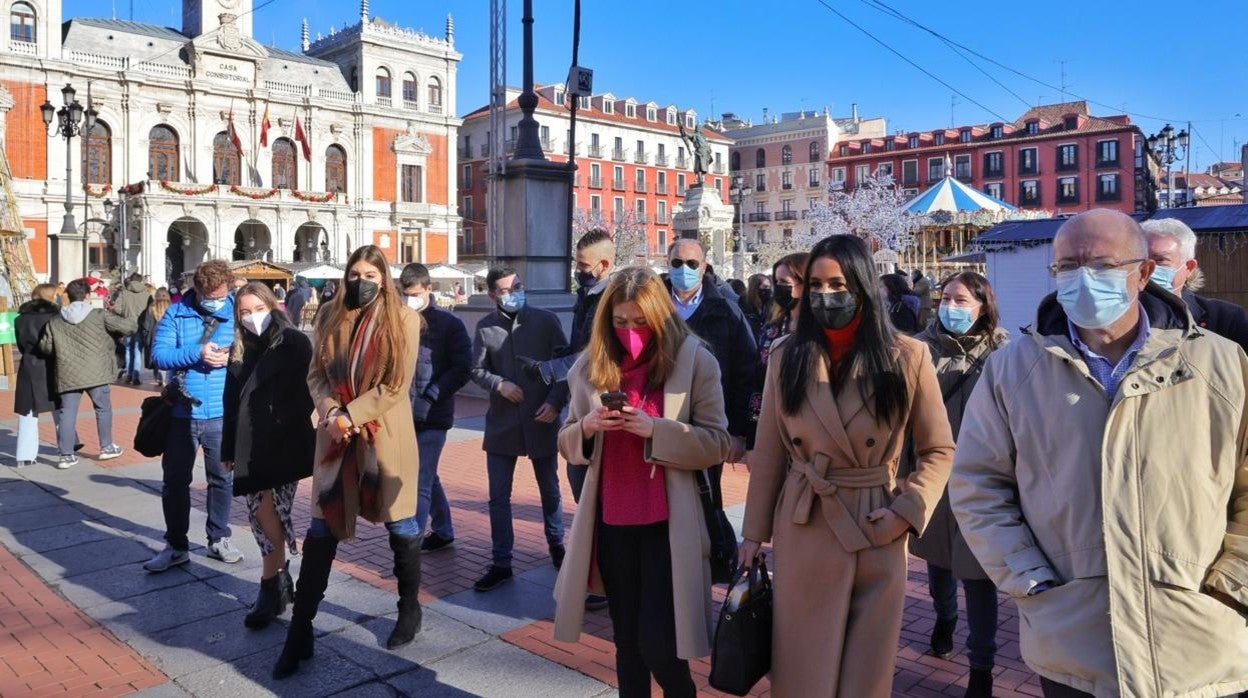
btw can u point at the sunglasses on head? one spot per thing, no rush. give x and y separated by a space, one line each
691 263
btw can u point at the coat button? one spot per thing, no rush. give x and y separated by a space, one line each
1135 386
870 443
797 441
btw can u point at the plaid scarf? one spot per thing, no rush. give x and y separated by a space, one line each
352 488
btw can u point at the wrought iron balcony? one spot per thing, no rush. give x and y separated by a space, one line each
786 215
640 186
619 155
618 185
759 217
639 157
660 160
595 151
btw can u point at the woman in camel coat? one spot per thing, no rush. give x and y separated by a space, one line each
841 394
639 534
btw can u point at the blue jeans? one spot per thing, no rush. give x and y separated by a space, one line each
502 470
134 356
430 497
186 438
981 612
317 528
67 414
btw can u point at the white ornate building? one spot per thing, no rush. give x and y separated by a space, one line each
375 103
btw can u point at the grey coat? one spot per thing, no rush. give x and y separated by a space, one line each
509 427
81 348
942 543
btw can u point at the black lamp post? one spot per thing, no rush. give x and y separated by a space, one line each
737 194
1169 148
71 120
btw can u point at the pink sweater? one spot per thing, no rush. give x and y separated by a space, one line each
633 491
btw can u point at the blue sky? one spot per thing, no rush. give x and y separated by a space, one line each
1140 57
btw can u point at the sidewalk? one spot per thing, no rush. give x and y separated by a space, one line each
72 543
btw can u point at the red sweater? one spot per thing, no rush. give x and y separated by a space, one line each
633 492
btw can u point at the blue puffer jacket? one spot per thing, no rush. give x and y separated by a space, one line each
177 348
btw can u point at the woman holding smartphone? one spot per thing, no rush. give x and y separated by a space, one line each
638 534
842 393
366 457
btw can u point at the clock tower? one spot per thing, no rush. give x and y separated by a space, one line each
200 17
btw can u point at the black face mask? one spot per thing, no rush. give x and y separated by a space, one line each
360 292
586 279
764 296
833 310
784 297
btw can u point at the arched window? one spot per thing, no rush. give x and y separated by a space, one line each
226 165
435 95
760 158
786 155
383 82
815 155
409 89
336 169
162 154
285 165
97 152
22 23
734 161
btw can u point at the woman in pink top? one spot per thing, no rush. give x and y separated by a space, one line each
638 534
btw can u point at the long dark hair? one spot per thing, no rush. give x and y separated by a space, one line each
872 357
897 286
989 316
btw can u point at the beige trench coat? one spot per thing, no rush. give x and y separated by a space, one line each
814 476
397 458
691 435
1136 506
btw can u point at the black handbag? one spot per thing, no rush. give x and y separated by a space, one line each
156 412
741 652
723 538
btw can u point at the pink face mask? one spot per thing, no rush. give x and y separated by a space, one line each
634 339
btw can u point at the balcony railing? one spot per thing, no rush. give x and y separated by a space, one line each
660 160
1068 166
786 186
465 152
786 215
1107 163
660 218
618 185
994 172
595 182
718 168
619 155
660 189
759 217
411 104
24 48
812 185
384 101
760 187
435 108
680 190
639 187
639 157
682 162
641 218
595 151
465 183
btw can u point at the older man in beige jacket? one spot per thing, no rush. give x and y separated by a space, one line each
1101 478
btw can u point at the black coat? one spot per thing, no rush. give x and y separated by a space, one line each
36 382
267 430
442 369
719 322
1220 317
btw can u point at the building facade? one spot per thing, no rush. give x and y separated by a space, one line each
633 168
783 161
180 165
1056 157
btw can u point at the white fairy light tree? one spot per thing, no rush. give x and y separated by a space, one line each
627 232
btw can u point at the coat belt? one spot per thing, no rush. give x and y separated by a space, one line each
824 482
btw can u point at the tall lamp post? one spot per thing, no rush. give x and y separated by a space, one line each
71 120
1169 148
737 194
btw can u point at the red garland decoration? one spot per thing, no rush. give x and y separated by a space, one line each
254 196
188 191
97 194
315 198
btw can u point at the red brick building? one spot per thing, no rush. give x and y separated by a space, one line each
1055 157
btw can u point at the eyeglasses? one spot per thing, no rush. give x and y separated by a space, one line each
691 263
515 287
1071 265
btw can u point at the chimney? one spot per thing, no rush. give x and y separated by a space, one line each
853 112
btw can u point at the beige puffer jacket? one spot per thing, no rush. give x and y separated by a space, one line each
1137 507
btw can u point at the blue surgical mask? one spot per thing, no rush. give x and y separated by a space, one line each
685 279
512 302
1094 300
212 305
1164 277
956 319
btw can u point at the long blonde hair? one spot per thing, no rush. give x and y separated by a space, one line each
161 300
44 292
335 322
259 290
605 353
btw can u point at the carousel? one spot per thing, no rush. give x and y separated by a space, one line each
956 213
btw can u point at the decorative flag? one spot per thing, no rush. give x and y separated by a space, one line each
303 139
264 126
233 135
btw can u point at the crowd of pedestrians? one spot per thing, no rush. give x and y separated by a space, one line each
1065 465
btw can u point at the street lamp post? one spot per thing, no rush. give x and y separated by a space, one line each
737 194
71 120
1169 148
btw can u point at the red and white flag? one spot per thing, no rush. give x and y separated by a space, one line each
302 137
264 126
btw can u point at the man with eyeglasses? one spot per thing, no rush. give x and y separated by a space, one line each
1124 546
720 323
522 417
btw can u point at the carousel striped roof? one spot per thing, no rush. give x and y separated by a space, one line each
952 196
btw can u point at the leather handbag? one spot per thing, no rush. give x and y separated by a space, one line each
156 412
741 652
723 538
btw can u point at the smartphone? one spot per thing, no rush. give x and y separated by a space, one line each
615 400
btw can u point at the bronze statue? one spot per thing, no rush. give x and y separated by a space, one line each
700 148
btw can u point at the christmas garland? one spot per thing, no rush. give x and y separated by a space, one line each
188 191
100 193
256 195
314 198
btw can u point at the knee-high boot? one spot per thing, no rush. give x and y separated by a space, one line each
318 557
407 571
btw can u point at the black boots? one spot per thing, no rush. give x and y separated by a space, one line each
942 638
980 684
275 593
318 557
407 571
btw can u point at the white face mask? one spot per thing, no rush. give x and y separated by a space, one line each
257 323
416 303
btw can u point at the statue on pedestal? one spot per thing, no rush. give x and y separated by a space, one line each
700 148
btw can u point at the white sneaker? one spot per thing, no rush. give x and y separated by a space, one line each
223 550
167 558
109 452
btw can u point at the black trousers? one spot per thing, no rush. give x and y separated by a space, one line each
636 567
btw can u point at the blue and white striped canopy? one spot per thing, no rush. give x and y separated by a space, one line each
952 196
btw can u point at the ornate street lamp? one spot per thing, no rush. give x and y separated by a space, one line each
71 120
737 194
1170 148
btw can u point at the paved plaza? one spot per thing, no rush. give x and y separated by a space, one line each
79 616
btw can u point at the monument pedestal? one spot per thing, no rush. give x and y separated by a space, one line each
704 216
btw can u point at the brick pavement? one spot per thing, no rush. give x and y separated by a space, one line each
462 469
